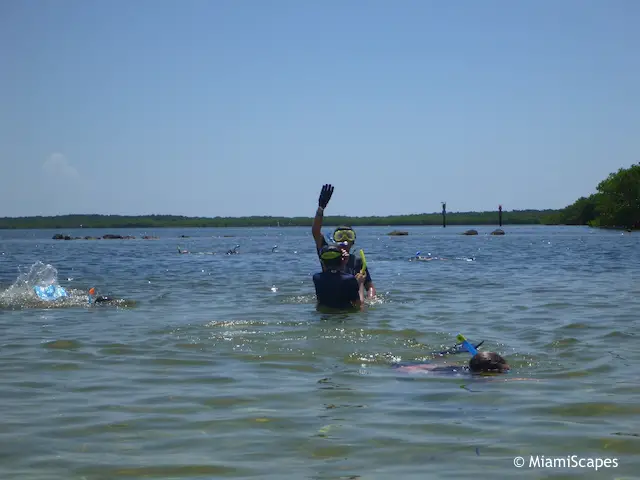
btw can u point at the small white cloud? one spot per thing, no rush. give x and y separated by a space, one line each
58 165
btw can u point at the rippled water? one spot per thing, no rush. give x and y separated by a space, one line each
220 367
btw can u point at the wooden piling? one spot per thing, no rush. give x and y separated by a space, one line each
444 214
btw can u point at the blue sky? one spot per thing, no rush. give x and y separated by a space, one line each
247 107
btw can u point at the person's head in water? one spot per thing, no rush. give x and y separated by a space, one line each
488 362
345 237
103 299
332 257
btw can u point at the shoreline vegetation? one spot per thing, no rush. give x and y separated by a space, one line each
516 217
616 204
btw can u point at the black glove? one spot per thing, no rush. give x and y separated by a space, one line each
325 195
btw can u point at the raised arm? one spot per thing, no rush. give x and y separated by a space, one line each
316 228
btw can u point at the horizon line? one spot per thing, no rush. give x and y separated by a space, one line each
276 216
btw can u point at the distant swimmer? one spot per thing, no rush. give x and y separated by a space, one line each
422 259
335 288
184 252
103 299
480 363
233 251
50 292
419 258
56 292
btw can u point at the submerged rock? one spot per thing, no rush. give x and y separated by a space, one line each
396 233
470 232
498 231
110 236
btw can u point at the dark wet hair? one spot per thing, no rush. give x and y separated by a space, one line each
331 256
488 362
103 298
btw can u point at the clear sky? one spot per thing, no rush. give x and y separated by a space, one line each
239 107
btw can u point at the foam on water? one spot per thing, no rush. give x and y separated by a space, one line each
21 293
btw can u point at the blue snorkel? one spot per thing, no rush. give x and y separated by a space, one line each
470 348
328 240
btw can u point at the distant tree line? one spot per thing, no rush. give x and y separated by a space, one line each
515 217
616 203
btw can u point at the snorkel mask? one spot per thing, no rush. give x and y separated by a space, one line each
344 234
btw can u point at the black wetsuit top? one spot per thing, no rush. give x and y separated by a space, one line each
336 289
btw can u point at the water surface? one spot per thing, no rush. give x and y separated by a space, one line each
220 367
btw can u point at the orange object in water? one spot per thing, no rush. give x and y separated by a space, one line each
92 291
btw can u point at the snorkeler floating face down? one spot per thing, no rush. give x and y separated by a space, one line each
488 362
482 363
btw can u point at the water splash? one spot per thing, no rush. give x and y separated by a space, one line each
21 295
38 274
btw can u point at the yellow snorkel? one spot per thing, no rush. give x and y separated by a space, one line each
364 262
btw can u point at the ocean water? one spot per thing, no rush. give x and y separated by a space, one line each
219 366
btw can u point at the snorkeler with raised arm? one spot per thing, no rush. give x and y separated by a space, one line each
344 236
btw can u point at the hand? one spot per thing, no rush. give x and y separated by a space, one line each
325 196
361 278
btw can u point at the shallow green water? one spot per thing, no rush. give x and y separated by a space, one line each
223 368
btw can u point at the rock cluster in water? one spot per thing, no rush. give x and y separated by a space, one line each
497 231
109 236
